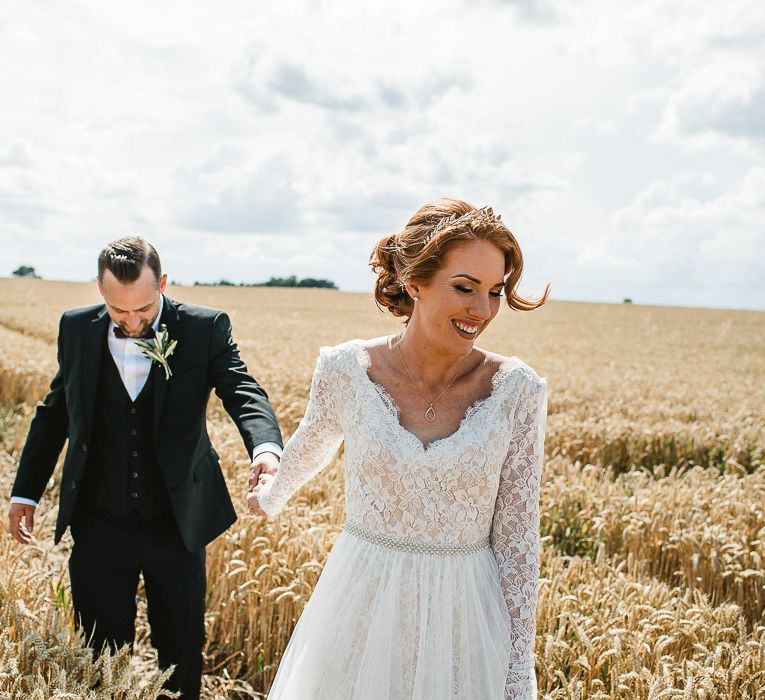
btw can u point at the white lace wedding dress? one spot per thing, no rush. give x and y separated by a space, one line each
430 590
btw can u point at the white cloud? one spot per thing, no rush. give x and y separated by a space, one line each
252 197
620 142
698 229
720 103
16 156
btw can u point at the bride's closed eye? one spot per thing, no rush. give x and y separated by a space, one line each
468 290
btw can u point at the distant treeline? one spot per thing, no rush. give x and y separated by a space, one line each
291 281
26 271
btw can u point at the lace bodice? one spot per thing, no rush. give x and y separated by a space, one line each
482 480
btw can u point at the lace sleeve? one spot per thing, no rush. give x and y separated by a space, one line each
515 534
312 445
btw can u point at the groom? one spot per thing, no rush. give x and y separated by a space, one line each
141 486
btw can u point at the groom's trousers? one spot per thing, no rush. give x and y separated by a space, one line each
108 556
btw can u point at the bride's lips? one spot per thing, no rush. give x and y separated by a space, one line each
465 334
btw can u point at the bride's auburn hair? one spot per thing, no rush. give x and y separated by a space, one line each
417 252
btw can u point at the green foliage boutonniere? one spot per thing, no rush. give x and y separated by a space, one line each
159 349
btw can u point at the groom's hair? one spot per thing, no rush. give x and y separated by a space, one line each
125 259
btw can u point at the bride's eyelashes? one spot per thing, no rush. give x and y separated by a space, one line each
468 290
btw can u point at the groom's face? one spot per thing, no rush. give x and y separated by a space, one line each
133 306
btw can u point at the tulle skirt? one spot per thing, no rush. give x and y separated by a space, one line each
389 624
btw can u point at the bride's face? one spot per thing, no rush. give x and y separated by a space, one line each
457 304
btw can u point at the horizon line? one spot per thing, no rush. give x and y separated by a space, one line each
250 285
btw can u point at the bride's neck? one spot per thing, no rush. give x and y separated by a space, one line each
429 362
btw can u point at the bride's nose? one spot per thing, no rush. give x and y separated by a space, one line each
480 308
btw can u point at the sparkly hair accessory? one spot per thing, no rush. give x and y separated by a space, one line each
474 217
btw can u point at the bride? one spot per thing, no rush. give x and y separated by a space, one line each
430 590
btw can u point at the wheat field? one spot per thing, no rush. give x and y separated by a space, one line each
653 499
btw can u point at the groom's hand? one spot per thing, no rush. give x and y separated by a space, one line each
16 513
264 467
264 463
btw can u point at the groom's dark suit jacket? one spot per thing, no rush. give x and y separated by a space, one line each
205 357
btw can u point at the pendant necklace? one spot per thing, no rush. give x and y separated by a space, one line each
430 412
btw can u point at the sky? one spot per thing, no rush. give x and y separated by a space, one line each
623 143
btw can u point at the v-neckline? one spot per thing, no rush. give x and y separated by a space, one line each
394 411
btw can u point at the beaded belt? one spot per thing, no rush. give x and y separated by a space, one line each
417 547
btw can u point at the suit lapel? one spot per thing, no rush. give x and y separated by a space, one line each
92 350
169 318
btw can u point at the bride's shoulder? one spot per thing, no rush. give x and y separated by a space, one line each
343 353
361 349
504 365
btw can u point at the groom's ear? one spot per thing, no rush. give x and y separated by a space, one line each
162 284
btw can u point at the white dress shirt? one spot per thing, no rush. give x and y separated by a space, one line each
134 368
132 364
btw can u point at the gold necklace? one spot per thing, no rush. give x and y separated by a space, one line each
430 412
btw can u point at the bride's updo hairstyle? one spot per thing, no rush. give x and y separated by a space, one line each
418 252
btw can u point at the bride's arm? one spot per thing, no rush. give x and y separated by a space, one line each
313 444
515 533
